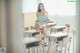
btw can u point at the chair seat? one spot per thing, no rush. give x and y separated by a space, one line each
52 48
65 48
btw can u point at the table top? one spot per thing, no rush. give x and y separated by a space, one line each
40 36
50 24
58 27
58 35
31 31
29 40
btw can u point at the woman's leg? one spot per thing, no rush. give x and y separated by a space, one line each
42 30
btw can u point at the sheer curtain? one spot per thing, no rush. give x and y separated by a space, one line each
60 7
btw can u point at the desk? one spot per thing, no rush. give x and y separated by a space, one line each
50 24
30 32
40 36
29 40
58 28
32 42
58 36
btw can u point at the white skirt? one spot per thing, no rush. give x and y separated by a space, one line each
44 25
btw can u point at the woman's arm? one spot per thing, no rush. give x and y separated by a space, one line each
47 16
49 21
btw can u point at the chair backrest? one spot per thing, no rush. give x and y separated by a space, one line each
67 28
52 48
67 25
32 27
67 42
26 28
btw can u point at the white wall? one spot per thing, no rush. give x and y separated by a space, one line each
29 5
3 37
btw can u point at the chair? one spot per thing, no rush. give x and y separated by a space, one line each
52 48
49 48
67 28
32 27
32 43
66 45
26 28
67 42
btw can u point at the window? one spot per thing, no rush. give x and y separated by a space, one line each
60 7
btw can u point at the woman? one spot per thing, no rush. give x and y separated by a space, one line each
42 17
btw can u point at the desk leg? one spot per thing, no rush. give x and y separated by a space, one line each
44 45
43 48
32 50
48 45
37 49
28 50
30 35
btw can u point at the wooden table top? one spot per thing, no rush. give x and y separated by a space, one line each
31 31
29 40
58 27
58 35
40 36
50 24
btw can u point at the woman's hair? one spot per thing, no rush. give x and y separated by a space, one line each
39 10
